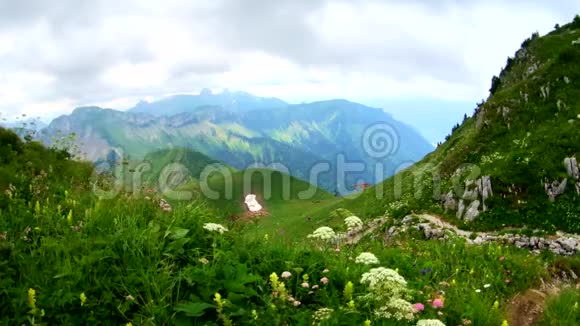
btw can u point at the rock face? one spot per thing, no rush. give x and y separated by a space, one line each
563 244
472 202
573 171
555 188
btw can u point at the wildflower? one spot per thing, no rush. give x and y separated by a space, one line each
396 308
129 324
129 298
453 282
214 227
575 307
310 292
274 280
367 323
305 285
323 233
83 298
485 286
495 304
254 314
504 323
315 287
351 305
430 322
425 271
322 314
348 290
218 300
478 291
337 249
305 277
266 237
32 298
471 271
325 270
437 303
286 275
466 322
297 303
377 276
419 307
502 258
353 222
69 217
507 281
204 261
366 258
444 284
324 280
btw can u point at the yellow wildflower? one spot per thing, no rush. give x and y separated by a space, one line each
351 305
83 298
274 280
496 304
69 217
504 323
348 290
367 323
32 298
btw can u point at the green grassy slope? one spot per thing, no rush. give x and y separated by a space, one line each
519 137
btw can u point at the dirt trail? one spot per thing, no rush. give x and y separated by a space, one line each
527 308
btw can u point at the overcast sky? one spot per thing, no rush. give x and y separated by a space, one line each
56 55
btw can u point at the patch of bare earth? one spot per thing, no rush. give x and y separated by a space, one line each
527 308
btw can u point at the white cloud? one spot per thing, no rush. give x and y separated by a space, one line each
71 54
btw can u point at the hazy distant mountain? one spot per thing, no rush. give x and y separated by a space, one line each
234 101
297 136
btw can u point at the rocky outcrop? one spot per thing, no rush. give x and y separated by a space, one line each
555 188
449 202
434 229
573 171
473 200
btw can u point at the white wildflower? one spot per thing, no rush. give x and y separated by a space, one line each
486 286
353 222
322 314
384 283
214 227
367 258
430 322
286 275
323 233
397 309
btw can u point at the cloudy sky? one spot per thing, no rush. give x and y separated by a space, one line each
416 58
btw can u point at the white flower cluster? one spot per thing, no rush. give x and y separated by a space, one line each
322 314
353 222
430 322
576 42
396 308
214 227
378 278
323 233
367 258
387 289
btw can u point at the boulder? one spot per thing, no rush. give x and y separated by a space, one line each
472 211
555 188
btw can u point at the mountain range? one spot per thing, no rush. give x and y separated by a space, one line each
244 131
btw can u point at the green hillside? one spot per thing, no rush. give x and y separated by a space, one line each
520 137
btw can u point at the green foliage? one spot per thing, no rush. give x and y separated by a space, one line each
563 309
495 85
